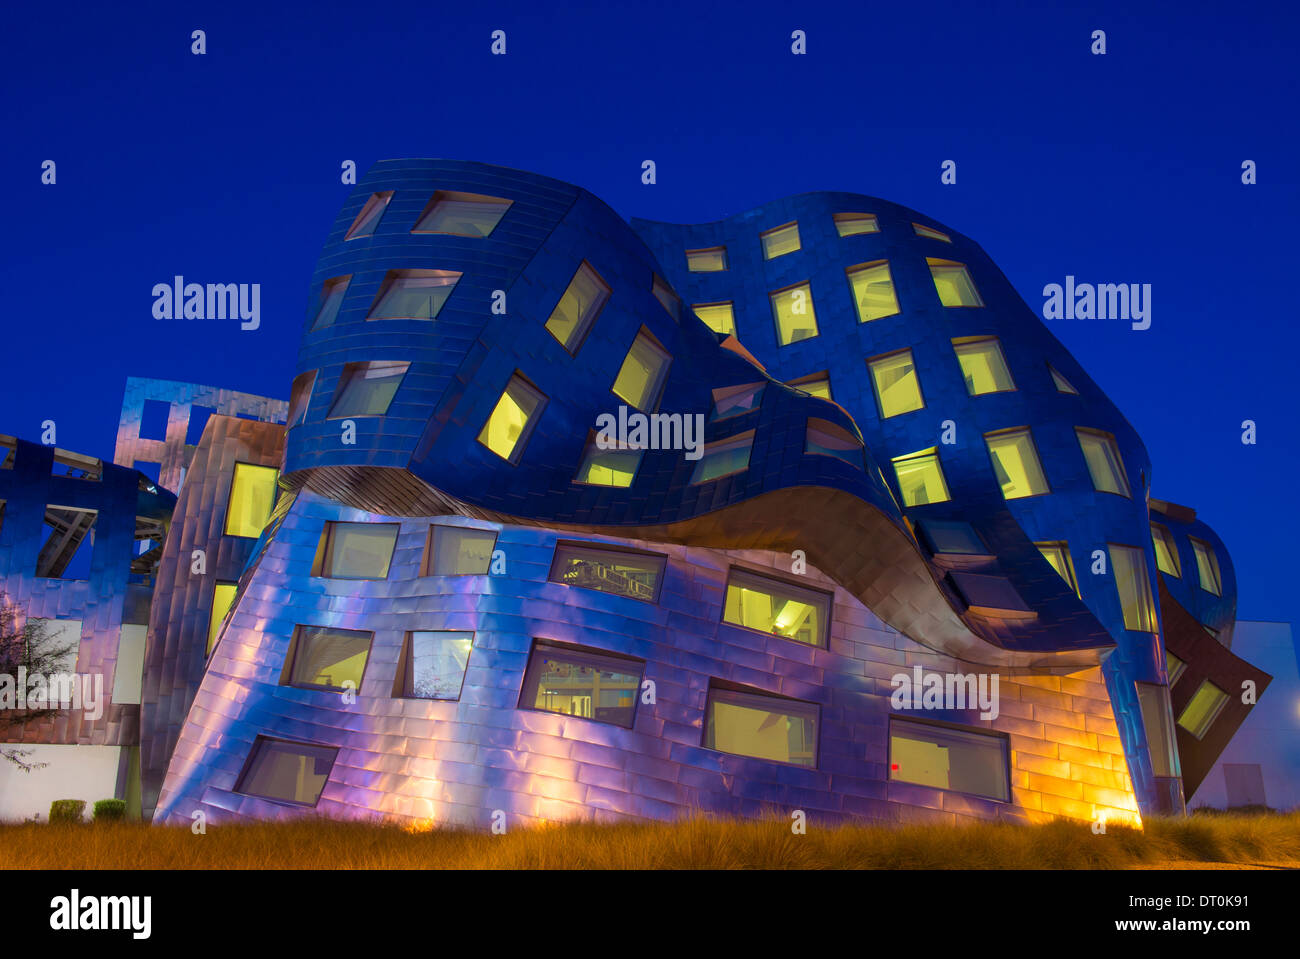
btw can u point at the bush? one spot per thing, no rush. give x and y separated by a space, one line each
109 810
67 810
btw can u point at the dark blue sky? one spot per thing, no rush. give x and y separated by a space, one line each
1120 168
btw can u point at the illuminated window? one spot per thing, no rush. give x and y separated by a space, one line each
321 657
761 726
578 308
1130 568
608 467
818 384
462 214
574 682
366 389
620 572
300 396
853 224
1157 720
931 232
712 260
719 317
780 240
287 772
953 282
413 294
1058 554
69 543
792 309
355 550
947 758
873 290
1174 667
920 478
222 598
777 607
825 438
1207 566
368 219
643 372
982 365
731 401
433 665
669 300
252 496
1062 384
897 388
512 420
1203 709
1166 550
723 457
458 551
1015 463
1104 464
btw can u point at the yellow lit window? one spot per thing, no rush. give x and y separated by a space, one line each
1130 568
920 478
613 467
873 290
793 310
1207 566
325 658
1166 550
719 317
1174 667
780 241
507 429
897 388
763 727
712 260
931 232
252 496
578 308
982 365
853 224
1203 709
1058 554
642 373
1104 463
1015 463
954 284
819 384
773 606
222 597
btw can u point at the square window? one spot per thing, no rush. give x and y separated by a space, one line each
578 308
854 224
513 418
300 396
1166 550
287 772
223 597
953 283
818 384
931 233
153 420
1015 463
433 665
946 758
761 726
780 240
712 260
1058 555
459 551
355 550
1207 566
719 317
982 365
329 300
1130 568
413 294
897 388
729 401
920 478
643 372
613 466
69 543
873 290
1203 709
824 438
1104 464
667 298
462 214
321 657
583 683
253 491
723 458
366 389
777 607
1062 384
635 575
792 308
368 219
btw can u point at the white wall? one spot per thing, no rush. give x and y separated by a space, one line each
74 772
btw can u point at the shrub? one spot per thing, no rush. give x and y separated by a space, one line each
67 810
108 810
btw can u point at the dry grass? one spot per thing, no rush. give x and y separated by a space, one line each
700 843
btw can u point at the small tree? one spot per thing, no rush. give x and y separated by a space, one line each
31 648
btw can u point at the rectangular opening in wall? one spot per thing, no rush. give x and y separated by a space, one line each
777 607
223 595
575 681
286 771
69 543
458 551
944 757
322 657
433 664
1157 720
761 726
76 466
355 550
635 575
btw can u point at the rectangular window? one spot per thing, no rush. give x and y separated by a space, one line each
433 665
712 260
366 389
731 401
578 308
854 224
952 536
462 214
321 657
621 572
1207 566
1174 667
643 372
368 219
69 543
1157 720
777 607
512 420
355 550
153 420
723 458
128 668
898 390
761 726
920 478
669 300
873 290
329 301
223 596
792 309
829 439
946 758
1058 554
608 467
585 683
458 551
1166 550
413 294
1015 463
953 283
819 385
1203 709
780 240
287 772
1130 568
253 491
1102 456
300 397
931 232
982 365
719 317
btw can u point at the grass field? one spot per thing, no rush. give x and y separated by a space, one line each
1226 841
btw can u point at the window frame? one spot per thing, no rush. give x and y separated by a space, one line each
999 736
530 424
720 250
583 326
570 547
254 751
875 382
404 676
325 547
851 271
597 659
295 649
1108 439
458 196
720 444
756 700
764 240
742 573
1028 434
776 314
